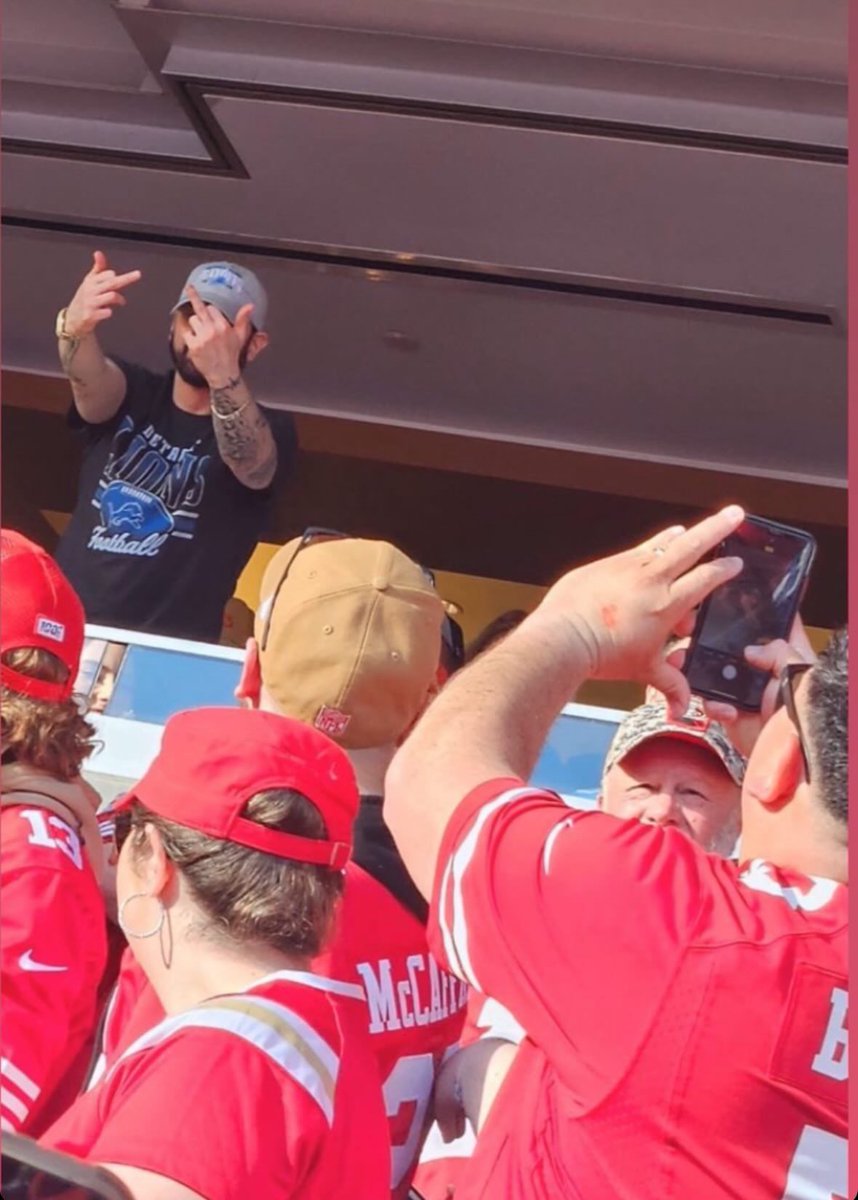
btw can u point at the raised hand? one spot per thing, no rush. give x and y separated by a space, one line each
214 345
99 293
624 608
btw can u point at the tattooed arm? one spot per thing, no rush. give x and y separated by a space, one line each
98 385
244 436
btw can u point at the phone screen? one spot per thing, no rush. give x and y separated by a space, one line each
754 608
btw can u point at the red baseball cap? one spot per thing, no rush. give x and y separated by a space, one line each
39 609
213 760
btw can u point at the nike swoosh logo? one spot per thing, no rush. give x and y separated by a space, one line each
27 963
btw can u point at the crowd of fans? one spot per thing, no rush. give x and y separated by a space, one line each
333 943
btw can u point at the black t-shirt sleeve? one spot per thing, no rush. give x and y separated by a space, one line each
143 388
285 438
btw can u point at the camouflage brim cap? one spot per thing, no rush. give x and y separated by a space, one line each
652 720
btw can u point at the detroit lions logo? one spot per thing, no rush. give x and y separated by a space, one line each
127 516
125 508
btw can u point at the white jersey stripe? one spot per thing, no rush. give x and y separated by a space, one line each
459 864
758 875
272 1028
551 839
308 979
7 1126
446 935
291 1028
21 1081
19 1110
101 1062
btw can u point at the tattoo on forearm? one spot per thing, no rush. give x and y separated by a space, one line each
243 434
68 349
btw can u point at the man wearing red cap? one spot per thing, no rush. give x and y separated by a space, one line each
52 933
259 1081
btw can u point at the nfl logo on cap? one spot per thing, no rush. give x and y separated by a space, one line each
54 630
331 721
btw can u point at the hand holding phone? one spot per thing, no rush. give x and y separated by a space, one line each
753 609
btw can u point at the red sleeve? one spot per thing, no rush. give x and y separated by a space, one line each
237 1126
52 956
574 921
134 1009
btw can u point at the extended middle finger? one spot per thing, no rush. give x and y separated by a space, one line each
199 324
196 303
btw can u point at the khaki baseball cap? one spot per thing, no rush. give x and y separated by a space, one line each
353 641
652 720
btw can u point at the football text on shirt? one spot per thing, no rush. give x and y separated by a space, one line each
149 490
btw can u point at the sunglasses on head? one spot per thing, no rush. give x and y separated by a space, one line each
311 535
786 699
122 825
452 637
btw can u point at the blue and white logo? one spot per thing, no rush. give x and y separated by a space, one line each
127 509
220 275
149 492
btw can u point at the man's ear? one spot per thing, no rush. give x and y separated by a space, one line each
257 344
775 769
249 685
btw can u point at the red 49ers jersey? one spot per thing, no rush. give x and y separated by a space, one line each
686 1018
53 950
415 1008
262 1093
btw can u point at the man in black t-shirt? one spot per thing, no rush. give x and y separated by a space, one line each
178 468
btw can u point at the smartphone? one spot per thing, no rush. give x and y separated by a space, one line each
756 607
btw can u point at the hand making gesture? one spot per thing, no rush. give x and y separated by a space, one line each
94 301
214 345
622 609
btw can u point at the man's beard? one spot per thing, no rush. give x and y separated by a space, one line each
186 370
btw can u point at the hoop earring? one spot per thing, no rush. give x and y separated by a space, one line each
120 917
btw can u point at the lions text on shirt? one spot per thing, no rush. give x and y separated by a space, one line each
162 528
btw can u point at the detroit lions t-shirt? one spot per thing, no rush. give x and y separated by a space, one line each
162 528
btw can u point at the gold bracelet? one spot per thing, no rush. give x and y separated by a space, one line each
60 328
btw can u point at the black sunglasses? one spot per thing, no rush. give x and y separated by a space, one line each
121 828
452 637
786 699
314 533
